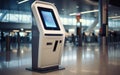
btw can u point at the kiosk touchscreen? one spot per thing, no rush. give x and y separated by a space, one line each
51 36
48 18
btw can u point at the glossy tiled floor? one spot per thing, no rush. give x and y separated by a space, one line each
91 59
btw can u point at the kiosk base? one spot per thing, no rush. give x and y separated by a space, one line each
46 70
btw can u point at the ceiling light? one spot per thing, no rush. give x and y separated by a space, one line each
114 17
85 12
23 1
28 31
15 30
72 14
92 11
21 29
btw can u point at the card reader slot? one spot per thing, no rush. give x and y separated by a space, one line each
55 46
49 43
53 34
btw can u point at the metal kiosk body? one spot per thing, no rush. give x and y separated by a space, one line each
47 57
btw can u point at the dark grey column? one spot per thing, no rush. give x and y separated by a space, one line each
35 43
103 20
79 30
18 40
1 41
7 43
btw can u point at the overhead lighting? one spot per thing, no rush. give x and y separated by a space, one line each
15 30
85 12
28 31
21 29
73 14
91 11
114 17
23 1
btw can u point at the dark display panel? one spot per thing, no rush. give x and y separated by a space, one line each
48 19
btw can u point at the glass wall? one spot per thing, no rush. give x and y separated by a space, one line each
15 16
72 21
114 24
25 17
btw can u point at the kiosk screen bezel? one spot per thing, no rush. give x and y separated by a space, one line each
40 9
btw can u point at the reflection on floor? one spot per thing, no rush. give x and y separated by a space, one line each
91 59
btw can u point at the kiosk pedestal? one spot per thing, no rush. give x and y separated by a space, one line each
48 38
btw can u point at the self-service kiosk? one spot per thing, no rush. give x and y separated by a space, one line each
50 41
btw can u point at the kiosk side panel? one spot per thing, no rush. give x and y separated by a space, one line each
35 45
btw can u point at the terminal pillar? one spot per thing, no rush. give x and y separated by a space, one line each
18 40
79 30
7 43
103 21
2 40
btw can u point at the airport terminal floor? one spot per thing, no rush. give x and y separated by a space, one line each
90 59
